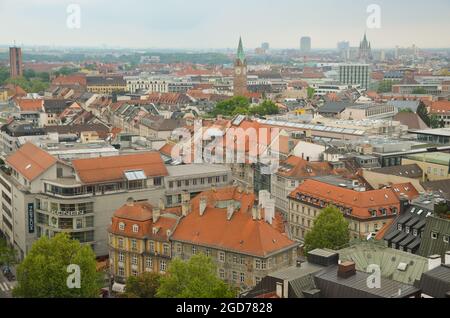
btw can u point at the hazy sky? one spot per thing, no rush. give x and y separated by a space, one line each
218 23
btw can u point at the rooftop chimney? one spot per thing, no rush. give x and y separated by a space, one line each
447 258
346 270
130 202
185 208
255 213
202 205
230 211
162 206
434 261
156 214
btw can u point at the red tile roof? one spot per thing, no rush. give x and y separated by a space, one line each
94 170
30 161
440 107
141 214
360 202
34 105
241 234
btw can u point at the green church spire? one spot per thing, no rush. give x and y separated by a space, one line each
240 52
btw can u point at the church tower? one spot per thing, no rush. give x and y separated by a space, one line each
240 72
365 50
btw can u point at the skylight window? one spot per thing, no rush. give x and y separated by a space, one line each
135 175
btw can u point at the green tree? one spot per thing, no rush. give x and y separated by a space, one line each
385 86
405 110
143 286
435 122
8 255
311 92
4 75
196 278
44 271
330 231
232 106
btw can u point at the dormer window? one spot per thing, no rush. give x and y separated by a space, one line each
400 227
374 213
434 235
135 228
122 226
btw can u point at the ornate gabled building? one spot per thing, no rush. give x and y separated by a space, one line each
240 72
365 50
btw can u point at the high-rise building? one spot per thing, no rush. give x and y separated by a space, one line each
15 61
265 46
240 72
305 44
351 74
365 50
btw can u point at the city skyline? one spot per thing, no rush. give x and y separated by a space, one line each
178 24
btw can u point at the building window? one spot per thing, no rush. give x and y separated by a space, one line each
120 242
134 273
445 239
235 276
179 249
235 259
263 264
242 278
152 247
222 274
257 280
415 232
194 250
135 228
163 266
222 257
434 235
399 227
242 261
121 272
149 263
157 181
121 257
134 260
170 184
122 226
166 250
208 252
133 245
258 264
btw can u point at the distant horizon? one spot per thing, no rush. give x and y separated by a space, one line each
207 25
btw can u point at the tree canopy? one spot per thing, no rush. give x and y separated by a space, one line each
241 106
45 271
196 278
8 255
143 286
330 231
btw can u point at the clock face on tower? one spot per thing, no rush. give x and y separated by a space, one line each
238 71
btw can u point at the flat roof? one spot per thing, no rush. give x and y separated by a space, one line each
439 158
445 132
195 169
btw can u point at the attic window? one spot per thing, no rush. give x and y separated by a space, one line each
122 226
135 228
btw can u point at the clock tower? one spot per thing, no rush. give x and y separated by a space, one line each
240 72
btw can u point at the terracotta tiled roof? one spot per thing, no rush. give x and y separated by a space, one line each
360 202
240 234
167 150
141 214
298 168
382 232
30 161
440 107
106 169
79 80
30 104
405 189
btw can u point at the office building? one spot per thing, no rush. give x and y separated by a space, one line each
305 45
355 74
15 62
